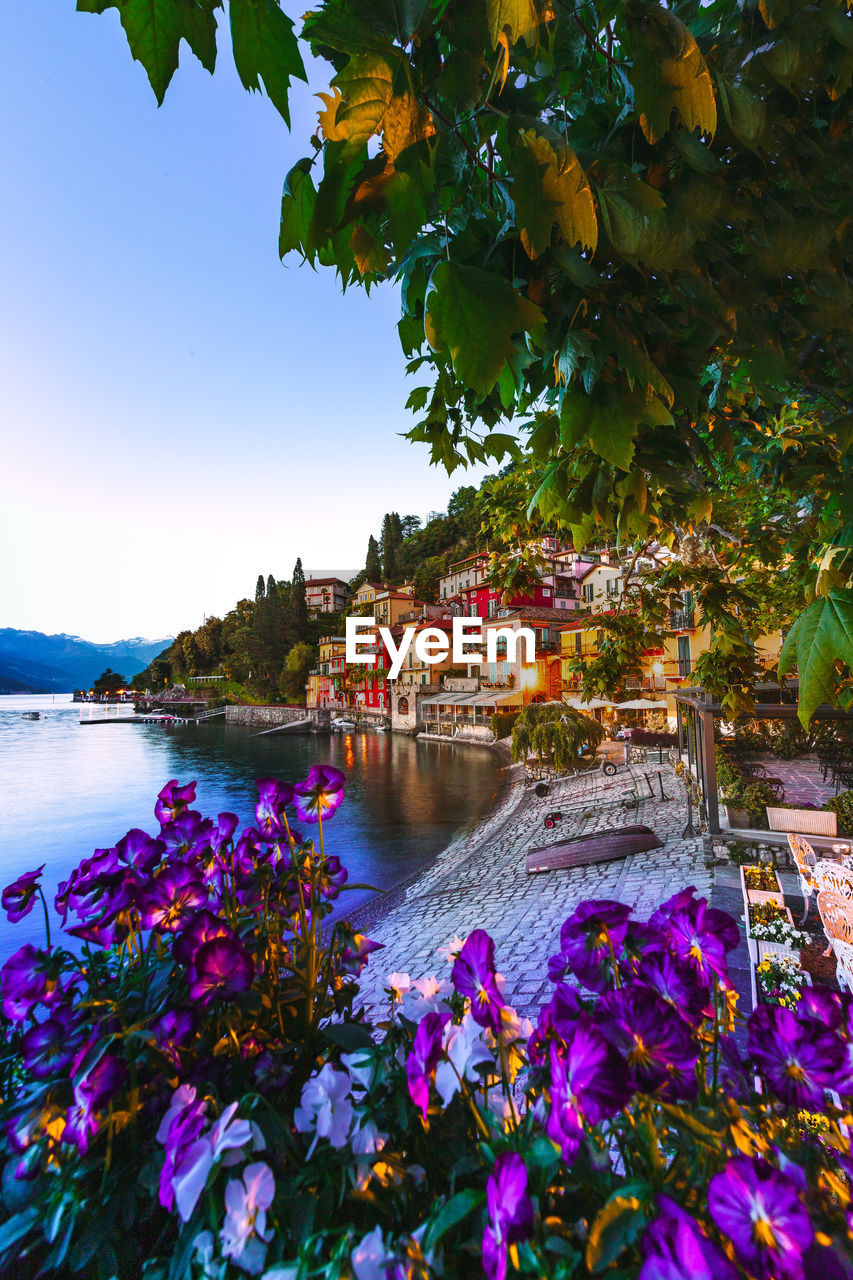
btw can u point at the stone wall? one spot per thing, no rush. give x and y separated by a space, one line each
269 717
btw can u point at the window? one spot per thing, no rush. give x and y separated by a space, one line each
613 586
587 592
578 643
423 678
684 663
403 707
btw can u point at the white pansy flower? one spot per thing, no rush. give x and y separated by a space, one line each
244 1232
425 996
465 1050
370 1258
450 950
399 984
325 1107
362 1067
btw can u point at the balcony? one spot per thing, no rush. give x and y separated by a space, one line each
684 666
681 620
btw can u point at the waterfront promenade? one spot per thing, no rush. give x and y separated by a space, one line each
480 881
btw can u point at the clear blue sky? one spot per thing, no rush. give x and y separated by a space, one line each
179 411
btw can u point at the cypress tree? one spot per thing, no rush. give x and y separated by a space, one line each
260 588
373 564
298 603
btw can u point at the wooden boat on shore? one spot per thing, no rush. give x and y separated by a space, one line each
31 715
599 846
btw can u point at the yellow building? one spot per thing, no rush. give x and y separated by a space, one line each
365 597
664 670
325 681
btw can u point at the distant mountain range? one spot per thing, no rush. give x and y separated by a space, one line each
32 662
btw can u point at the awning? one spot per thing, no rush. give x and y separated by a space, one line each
641 704
594 704
472 699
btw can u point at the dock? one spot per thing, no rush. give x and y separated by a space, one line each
155 718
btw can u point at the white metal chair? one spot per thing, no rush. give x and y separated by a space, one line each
805 859
832 875
836 916
843 962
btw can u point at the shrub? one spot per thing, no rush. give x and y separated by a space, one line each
193 1096
842 805
503 723
652 738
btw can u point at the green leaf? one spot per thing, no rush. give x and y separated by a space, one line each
266 52
16 1227
617 1225
454 1211
631 211
551 187
822 634
475 315
297 210
154 29
349 1036
744 111
518 18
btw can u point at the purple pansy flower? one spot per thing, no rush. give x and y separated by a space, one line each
675 1247
675 982
654 1041
273 799
589 939
25 981
173 896
320 794
18 898
588 1083
351 957
188 836
332 877
761 1212
179 1129
51 1045
173 800
97 1088
473 975
200 928
699 935
799 1059
510 1212
423 1058
174 1031
222 969
139 850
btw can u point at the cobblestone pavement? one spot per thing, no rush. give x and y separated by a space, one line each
480 882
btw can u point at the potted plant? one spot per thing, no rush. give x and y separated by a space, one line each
781 980
746 801
756 881
771 930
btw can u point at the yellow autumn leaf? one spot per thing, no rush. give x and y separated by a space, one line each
519 18
332 130
564 196
406 122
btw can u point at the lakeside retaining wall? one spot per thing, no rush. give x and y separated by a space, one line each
269 717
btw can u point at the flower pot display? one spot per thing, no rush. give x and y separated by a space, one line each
758 882
737 817
771 930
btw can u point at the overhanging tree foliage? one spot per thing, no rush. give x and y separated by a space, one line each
622 224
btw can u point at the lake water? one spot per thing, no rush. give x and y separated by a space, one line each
66 790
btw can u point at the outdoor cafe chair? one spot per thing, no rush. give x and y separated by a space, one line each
832 875
836 916
843 962
805 859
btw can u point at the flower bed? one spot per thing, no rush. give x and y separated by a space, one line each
193 1094
771 930
780 980
759 879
